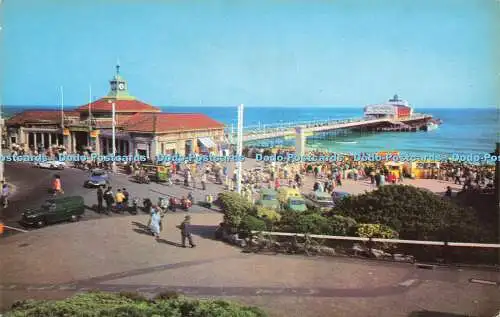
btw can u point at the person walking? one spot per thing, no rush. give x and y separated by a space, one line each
100 198
155 222
109 198
5 195
56 185
448 192
119 198
126 196
339 179
194 181
457 177
377 179
204 181
185 227
186 178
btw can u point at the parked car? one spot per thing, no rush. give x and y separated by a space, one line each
97 178
320 200
52 164
268 199
296 204
54 210
338 196
286 192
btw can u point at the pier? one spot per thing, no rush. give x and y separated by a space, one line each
300 130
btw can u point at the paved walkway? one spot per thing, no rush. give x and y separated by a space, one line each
117 254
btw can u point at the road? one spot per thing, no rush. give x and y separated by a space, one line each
32 186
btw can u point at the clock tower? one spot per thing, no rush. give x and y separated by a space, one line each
118 87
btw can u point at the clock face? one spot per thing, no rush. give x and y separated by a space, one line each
121 86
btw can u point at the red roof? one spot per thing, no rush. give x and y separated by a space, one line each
103 105
165 122
107 124
40 116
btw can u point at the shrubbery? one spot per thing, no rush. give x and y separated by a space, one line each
416 214
342 226
235 207
367 230
252 223
270 214
97 304
395 211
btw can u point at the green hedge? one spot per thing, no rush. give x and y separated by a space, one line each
252 223
270 214
316 223
97 304
416 214
235 207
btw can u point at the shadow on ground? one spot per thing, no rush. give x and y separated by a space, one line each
205 232
143 229
424 313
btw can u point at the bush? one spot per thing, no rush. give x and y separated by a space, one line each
167 295
342 226
235 207
252 223
417 214
366 230
312 223
133 296
107 304
270 214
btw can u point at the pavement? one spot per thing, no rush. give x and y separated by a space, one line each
115 253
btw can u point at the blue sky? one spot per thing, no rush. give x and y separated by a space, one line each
347 52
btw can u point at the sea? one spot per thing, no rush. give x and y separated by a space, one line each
465 131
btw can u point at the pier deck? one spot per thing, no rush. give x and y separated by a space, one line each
319 126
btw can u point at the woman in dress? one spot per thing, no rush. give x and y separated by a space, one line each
155 222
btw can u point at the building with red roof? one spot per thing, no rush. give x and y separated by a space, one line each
140 127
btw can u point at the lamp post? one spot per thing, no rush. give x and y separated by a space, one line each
497 189
113 134
1 141
239 148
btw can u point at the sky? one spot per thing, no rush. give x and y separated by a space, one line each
433 53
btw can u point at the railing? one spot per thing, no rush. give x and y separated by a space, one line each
284 128
431 251
418 242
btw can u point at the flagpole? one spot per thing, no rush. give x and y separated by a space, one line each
90 108
62 108
1 141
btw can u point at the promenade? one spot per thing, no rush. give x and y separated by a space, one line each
118 255
115 253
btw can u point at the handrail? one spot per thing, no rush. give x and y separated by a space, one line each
418 242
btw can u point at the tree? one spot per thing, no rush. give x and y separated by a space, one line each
235 207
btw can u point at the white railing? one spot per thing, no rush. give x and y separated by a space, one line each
281 129
417 242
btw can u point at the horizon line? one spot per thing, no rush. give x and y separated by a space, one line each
269 106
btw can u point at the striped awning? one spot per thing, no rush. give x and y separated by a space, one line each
207 142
